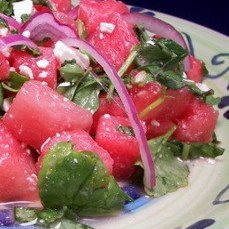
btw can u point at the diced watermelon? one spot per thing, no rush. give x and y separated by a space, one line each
60 5
92 12
157 128
123 148
143 96
46 71
115 42
112 107
18 179
4 67
198 123
38 112
175 104
65 19
82 141
195 72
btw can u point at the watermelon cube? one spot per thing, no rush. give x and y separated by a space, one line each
38 112
197 124
82 142
42 68
122 146
18 179
195 72
4 67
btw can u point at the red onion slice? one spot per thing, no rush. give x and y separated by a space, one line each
157 26
147 160
43 24
16 39
11 22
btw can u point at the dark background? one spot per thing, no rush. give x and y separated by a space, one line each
213 14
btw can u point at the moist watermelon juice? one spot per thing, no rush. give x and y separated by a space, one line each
93 106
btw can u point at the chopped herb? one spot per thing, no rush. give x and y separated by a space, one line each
126 130
25 17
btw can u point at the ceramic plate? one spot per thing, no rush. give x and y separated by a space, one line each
205 202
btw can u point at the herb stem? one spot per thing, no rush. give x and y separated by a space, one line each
124 68
185 151
152 106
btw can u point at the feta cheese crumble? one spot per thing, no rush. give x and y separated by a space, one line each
23 7
25 70
43 74
3 32
63 52
106 27
26 33
42 64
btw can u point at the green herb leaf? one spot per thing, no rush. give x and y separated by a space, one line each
170 173
14 82
6 7
195 150
78 181
126 130
25 17
3 23
1 96
25 215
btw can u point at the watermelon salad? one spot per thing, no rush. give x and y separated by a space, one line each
95 101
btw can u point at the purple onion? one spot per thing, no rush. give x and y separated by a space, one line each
6 217
146 157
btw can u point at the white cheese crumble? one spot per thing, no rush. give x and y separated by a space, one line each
43 74
63 52
26 33
23 7
6 104
42 64
184 75
150 42
155 123
25 70
140 77
106 27
3 32
203 87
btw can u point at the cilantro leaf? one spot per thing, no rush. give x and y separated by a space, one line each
195 150
78 181
171 174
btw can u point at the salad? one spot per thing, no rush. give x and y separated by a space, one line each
98 106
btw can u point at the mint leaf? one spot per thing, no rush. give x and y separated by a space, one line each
128 130
14 82
25 215
170 173
78 181
195 150
3 23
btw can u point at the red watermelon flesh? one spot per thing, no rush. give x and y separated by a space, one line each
195 72
122 148
112 107
82 141
116 44
60 5
92 12
4 67
38 112
145 95
198 123
18 179
46 71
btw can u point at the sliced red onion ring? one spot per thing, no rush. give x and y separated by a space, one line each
73 13
147 160
43 24
11 22
16 39
157 26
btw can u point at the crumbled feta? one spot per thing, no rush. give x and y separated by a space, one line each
6 104
101 36
190 81
22 7
42 64
140 77
25 70
106 27
43 74
63 52
184 75
26 33
203 87
3 32
150 42
155 123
